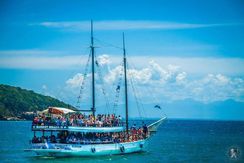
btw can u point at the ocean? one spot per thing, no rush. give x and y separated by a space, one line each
176 141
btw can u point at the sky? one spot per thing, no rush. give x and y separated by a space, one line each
179 53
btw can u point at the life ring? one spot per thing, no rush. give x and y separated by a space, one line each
122 149
141 145
93 150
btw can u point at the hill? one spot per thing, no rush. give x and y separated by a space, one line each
15 101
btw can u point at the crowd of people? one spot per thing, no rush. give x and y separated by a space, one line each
83 120
78 119
134 134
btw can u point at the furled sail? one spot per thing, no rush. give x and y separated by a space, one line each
154 126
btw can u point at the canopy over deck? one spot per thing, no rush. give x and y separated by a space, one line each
57 110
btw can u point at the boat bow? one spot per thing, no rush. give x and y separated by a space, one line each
154 126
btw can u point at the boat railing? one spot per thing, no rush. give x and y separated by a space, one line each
66 126
49 127
74 143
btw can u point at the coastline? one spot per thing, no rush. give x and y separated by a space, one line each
13 119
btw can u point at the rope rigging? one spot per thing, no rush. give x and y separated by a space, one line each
106 44
102 83
99 72
152 94
79 98
137 98
155 99
117 85
118 88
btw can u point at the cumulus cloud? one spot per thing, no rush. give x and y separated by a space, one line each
216 87
152 74
75 81
141 76
113 74
218 79
181 77
170 82
103 59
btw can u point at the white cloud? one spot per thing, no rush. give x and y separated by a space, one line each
216 87
125 25
218 79
203 79
53 60
28 52
181 77
141 76
38 62
103 59
172 83
113 74
40 59
75 81
196 65
154 73
223 80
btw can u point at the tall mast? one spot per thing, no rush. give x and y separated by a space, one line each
93 72
126 93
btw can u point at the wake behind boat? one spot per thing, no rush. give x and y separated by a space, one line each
62 132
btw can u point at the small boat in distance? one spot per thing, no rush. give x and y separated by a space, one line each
61 132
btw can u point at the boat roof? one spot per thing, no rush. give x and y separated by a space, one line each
57 110
78 129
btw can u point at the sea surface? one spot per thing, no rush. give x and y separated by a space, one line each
176 141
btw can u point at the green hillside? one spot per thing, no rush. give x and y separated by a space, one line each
14 101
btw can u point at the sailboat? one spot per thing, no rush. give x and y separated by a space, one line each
78 140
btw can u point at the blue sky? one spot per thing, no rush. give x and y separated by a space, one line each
182 50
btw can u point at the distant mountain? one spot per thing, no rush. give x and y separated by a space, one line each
14 101
186 109
191 109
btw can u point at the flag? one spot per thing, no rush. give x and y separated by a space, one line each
118 88
97 63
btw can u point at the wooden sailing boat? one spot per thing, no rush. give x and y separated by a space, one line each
92 148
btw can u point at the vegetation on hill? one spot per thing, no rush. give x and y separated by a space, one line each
14 101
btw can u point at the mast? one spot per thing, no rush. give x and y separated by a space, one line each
93 109
126 93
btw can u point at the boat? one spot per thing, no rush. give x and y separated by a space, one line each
80 135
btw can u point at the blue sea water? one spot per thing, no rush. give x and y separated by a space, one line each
176 141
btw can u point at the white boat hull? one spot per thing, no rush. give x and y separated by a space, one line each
71 150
